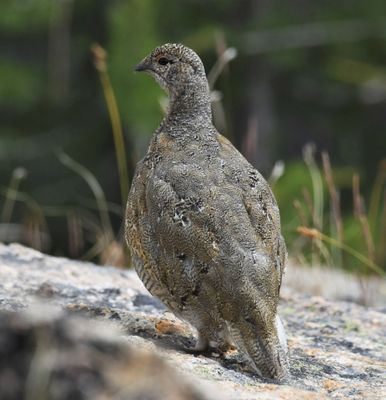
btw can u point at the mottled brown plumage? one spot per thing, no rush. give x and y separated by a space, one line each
203 225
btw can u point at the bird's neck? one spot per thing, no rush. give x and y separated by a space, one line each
191 101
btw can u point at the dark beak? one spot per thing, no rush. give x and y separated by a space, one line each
144 65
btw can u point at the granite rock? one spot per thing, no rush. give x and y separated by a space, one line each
46 353
338 349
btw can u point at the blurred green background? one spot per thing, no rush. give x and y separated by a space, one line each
305 72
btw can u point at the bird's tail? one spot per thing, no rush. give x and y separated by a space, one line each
268 354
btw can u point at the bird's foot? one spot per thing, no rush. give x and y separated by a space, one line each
202 346
205 346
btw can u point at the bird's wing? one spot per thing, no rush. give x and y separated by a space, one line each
194 220
199 224
259 203
211 219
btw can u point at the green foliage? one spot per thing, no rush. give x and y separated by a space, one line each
331 93
18 15
291 187
132 35
19 84
354 240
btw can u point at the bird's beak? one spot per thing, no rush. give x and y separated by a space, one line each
144 65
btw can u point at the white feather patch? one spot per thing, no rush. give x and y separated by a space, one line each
281 334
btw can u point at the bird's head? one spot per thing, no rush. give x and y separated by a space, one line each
176 68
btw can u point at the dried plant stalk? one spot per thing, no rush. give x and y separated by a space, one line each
75 234
18 175
336 216
381 250
360 214
300 212
308 202
334 196
317 184
316 234
375 207
100 62
96 189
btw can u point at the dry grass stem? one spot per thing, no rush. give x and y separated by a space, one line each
360 214
100 62
316 234
95 188
336 217
317 184
300 212
334 196
375 207
18 175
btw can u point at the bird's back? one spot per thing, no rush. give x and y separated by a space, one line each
198 205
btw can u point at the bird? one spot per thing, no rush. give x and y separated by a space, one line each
203 225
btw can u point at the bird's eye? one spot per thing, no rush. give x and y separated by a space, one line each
163 61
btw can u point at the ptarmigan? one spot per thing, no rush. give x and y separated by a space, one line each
203 225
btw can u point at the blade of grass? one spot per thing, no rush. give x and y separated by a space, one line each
335 201
336 216
17 176
314 233
308 203
317 184
75 233
30 203
95 188
381 251
376 195
300 212
360 214
317 188
228 55
100 63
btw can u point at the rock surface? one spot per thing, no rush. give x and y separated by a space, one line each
47 354
338 349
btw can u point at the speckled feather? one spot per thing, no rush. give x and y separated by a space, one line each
203 225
